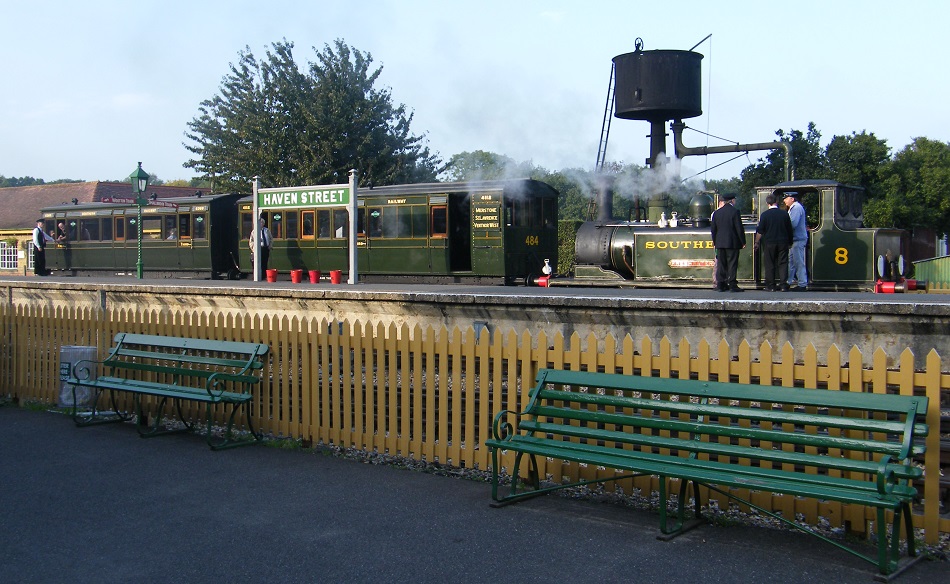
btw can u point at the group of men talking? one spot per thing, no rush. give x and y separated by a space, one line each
781 235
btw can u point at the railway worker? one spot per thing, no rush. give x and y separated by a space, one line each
715 268
773 236
728 236
40 239
796 255
266 242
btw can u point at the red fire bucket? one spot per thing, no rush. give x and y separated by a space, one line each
336 276
314 276
296 276
271 275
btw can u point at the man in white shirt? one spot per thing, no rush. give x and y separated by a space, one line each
40 239
266 242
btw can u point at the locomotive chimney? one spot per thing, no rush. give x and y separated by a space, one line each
605 198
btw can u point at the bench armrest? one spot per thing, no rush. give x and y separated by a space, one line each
215 384
82 370
501 428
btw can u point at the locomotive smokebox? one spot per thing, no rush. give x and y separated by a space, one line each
658 85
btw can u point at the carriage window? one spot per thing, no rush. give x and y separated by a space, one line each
120 229
277 226
184 226
341 223
107 230
439 221
71 232
246 225
418 219
397 222
290 225
89 229
307 225
323 224
516 214
151 227
171 227
200 224
132 231
370 222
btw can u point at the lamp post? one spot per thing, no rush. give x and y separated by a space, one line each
139 179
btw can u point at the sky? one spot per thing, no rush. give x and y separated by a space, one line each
91 88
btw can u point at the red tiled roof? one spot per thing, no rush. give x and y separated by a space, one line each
20 206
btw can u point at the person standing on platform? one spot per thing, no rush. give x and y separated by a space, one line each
728 236
773 236
266 242
40 239
796 255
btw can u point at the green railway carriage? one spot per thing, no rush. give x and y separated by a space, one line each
475 232
194 236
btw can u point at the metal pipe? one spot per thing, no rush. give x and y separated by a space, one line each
681 150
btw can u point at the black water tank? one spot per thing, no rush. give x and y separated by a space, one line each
658 85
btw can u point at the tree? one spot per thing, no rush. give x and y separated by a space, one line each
858 159
293 128
915 187
807 155
482 165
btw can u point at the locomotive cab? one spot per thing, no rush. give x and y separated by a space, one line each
842 253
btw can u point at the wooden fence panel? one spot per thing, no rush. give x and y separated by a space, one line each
432 394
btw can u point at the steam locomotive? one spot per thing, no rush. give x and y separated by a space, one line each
841 255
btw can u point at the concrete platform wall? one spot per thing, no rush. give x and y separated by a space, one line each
869 322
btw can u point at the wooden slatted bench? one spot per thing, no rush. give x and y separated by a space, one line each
855 448
176 369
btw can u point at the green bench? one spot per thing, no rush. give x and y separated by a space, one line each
854 448
176 369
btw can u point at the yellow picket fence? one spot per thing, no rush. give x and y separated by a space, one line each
430 394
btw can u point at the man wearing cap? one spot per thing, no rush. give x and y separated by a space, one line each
728 236
796 254
40 239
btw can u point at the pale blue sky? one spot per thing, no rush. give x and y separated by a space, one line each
90 88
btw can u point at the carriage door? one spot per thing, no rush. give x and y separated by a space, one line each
460 233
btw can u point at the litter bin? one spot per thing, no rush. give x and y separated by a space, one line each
69 355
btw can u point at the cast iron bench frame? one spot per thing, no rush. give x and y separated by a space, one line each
176 368
842 446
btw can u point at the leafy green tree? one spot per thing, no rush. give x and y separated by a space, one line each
292 128
915 187
482 165
808 157
858 159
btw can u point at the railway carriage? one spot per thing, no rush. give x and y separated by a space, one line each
473 232
183 236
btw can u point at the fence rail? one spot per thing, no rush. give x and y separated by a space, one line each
430 394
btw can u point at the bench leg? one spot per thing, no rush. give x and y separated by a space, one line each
681 526
228 441
889 566
534 480
93 417
156 426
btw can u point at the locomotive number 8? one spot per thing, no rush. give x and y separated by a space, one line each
841 256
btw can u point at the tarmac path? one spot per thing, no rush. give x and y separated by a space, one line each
101 505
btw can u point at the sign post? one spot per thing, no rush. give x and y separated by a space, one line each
342 195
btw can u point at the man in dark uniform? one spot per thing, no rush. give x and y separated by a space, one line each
773 236
728 236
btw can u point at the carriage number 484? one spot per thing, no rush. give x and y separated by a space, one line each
531 240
